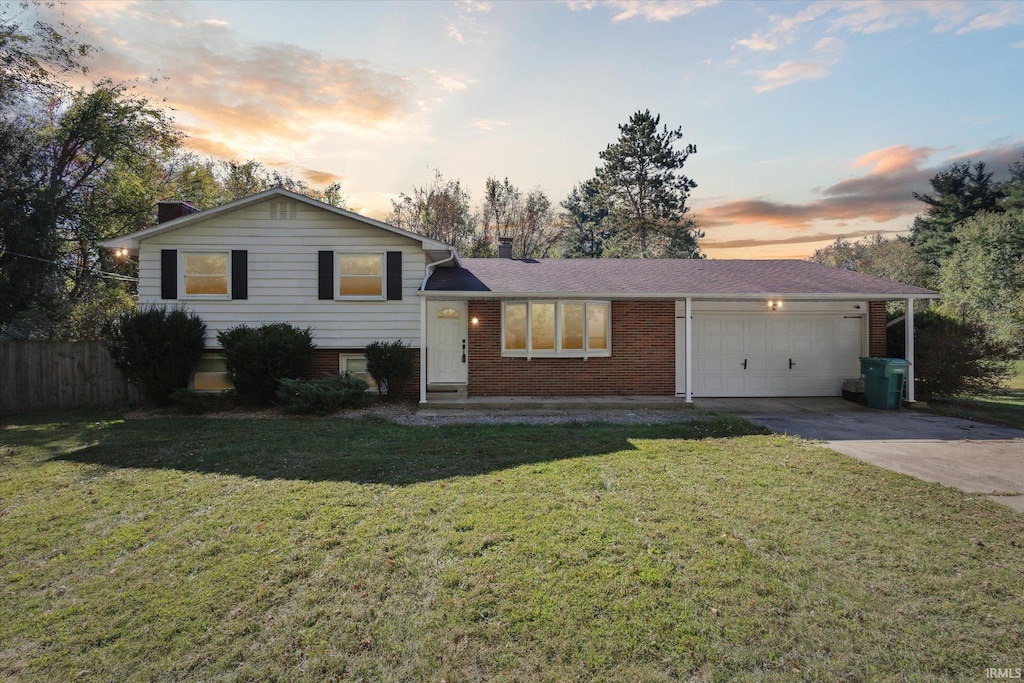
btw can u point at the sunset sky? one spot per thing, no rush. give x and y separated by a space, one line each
812 120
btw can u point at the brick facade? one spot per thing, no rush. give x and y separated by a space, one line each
643 360
325 362
876 329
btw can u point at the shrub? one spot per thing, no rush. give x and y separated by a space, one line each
157 348
258 357
391 365
952 357
323 395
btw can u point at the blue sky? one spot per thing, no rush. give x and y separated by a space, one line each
812 120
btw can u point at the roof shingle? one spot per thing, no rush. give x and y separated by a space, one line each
674 277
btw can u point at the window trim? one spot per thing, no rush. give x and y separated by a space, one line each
558 352
343 356
183 290
338 254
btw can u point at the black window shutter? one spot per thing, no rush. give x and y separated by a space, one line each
326 277
239 274
168 273
394 276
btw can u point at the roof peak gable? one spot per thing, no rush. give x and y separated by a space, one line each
131 240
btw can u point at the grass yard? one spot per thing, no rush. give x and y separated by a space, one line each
319 549
1005 407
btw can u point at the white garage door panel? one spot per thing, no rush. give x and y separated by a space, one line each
824 350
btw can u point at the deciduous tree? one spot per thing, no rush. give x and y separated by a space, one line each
983 279
35 54
242 179
527 219
70 175
439 210
893 259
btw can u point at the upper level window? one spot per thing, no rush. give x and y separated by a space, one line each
361 275
556 328
205 274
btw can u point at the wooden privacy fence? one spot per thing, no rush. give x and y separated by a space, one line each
44 375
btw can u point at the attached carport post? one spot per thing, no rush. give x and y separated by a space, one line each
688 352
909 326
423 348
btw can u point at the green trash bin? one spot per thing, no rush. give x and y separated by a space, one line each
883 381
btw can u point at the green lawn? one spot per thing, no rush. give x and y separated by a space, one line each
320 549
1004 407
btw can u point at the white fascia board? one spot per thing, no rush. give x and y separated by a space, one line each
131 241
759 296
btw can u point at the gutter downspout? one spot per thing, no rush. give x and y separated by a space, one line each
423 324
430 270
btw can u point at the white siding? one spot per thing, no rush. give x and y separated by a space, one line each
283 272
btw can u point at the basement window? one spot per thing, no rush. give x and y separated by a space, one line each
211 374
355 364
568 329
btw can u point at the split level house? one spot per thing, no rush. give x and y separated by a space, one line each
505 327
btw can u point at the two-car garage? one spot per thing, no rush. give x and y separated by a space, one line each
783 349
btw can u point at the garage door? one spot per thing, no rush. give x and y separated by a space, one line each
775 354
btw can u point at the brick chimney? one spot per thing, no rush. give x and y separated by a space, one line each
504 246
174 208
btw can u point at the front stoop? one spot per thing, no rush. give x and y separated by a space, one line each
448 402
445 393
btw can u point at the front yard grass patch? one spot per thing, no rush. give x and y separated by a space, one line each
320 549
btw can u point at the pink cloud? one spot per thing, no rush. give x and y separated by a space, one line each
894 159
884 193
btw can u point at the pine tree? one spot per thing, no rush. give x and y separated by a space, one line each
583 231
642 185
960 192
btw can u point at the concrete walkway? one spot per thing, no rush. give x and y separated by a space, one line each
971 456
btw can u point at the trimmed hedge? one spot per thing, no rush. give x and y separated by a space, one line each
157 348
257 358
391 364
322 395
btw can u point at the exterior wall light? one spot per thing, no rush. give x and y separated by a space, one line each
774 305
475 320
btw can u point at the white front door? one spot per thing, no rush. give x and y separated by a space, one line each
447 342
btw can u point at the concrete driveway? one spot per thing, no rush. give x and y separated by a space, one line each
971 456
